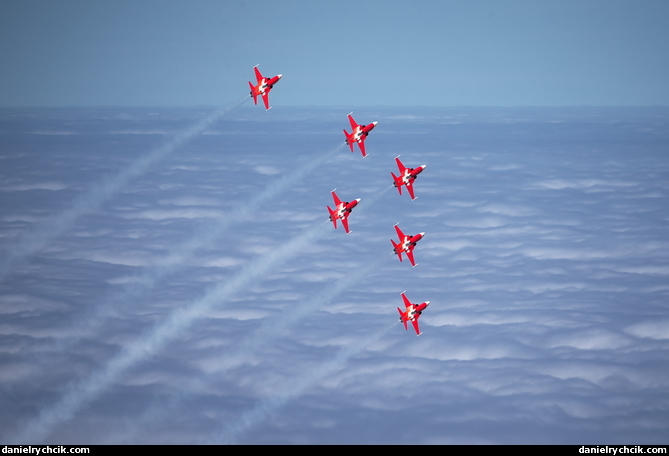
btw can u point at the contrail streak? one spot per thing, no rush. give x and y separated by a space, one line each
269 330
175 324
40 235
266 407
93 319
91 322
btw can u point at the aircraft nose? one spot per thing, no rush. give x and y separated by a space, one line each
357 200
427 303
374 123
279 76
421 234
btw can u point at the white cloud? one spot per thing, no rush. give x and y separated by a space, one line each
654 329
546 323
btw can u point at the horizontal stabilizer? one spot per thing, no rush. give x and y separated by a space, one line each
402 319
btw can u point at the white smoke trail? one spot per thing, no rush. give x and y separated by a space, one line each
40 235
81 393
269 330
266 407
90 323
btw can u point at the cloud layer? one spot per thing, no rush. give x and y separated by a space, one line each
545 260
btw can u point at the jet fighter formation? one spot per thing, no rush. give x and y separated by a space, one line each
263 87
406 177
412 313
342 209
358 134
406 244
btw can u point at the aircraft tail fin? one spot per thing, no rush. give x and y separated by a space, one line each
348 139
402 319
332 216
396 249
253 94
398 182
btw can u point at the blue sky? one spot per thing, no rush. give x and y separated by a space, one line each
345 53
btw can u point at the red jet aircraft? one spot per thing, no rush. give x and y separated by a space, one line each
406 177
263 87
412 313
358 135
406 244
341 211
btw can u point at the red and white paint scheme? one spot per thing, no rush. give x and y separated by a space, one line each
263 87
406 244
358 135
412 313
341 211
406 177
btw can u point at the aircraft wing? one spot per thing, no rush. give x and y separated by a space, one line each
265 99
361 144
407 303
353 123
344 221
414 322
409 187
259 77
336 199
400 166
409 253
399 233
